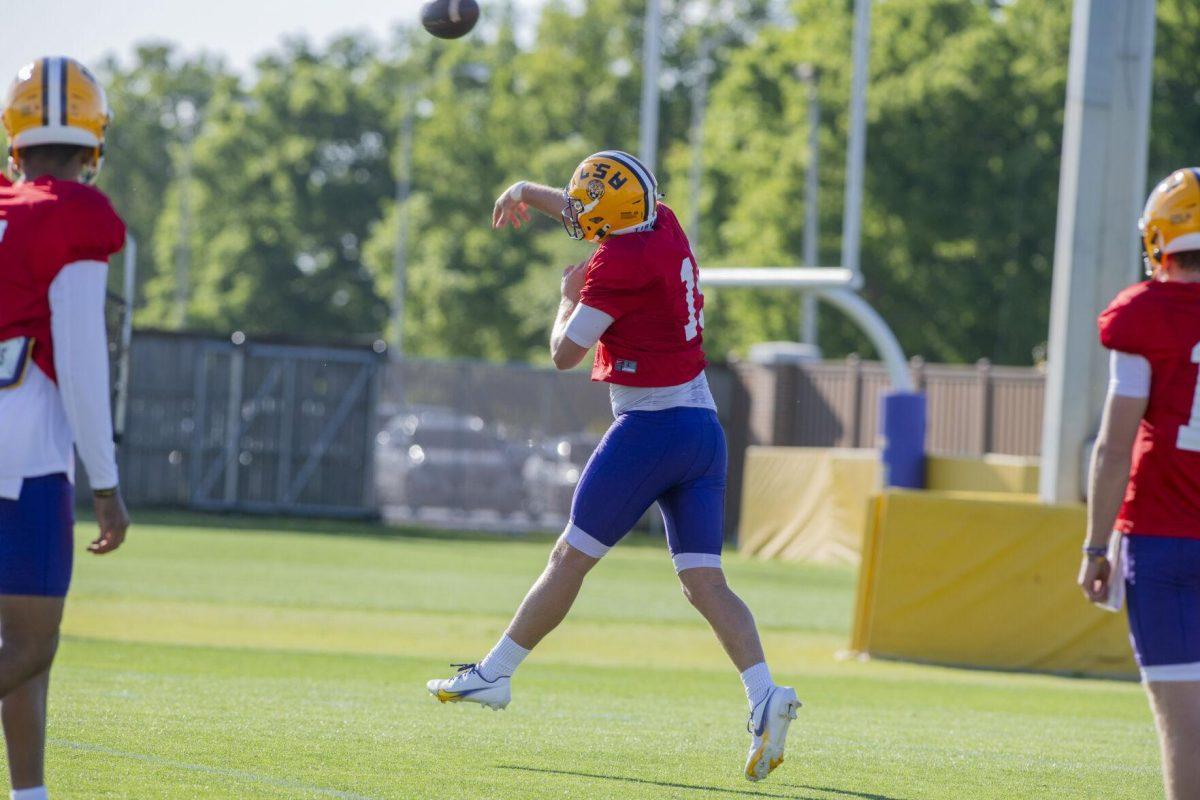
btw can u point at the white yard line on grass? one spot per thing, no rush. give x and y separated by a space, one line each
236 774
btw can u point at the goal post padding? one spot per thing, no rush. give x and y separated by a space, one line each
982 581
810 503
902 425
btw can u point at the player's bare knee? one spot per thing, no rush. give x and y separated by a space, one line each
702 586
41 658
28 656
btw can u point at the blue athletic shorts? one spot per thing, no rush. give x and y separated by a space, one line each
1162 592
37 535
676 457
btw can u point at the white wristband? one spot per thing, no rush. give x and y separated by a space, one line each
517 190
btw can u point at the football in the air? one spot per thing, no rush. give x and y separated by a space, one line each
449 19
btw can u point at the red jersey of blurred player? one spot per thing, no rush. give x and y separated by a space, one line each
46 224
649 284
1160 321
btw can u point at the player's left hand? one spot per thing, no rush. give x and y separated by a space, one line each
572 281
113 519
1094 574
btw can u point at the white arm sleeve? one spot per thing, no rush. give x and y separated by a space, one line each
1129 375
81 361
587 325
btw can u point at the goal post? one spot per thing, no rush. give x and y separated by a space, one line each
903 408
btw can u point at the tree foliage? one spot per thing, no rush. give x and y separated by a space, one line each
291 196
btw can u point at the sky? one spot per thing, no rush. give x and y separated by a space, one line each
237 29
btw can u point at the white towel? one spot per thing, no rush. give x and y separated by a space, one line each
1116 576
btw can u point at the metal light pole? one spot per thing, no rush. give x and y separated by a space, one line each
812 187
856 150
400 255
651 66
185 116
699 109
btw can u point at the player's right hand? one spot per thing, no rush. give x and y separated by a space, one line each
572 281
509 208
113 519
1094 574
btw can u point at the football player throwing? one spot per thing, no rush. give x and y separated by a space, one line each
637 300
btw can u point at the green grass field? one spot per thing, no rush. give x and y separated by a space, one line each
217 658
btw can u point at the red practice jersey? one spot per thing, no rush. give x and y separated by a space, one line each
648 283
1160 321
45 225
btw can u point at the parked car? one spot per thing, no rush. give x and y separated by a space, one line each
552 472
437 457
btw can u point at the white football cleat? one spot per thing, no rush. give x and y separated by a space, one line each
768 726
468 686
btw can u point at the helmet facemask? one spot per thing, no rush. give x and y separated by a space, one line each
1150 244
572 208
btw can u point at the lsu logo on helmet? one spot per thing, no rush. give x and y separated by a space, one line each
1170 222
610 193
56 100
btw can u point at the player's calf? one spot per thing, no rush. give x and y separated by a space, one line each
1176 707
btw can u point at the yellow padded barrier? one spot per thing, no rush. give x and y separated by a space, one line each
981 581
991 473
806 503
810 503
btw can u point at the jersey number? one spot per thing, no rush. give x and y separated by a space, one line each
687 273
1188 437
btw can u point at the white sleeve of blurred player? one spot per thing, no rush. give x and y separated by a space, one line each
81 361
587 325
1129 375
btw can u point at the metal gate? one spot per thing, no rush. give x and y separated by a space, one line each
281 428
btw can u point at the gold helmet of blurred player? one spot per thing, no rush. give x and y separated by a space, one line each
56 100
611 192
1170 222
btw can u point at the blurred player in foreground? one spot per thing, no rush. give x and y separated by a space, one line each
56 234
638 301
1145 475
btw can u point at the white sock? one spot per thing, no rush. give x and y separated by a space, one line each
503 661
758 683
36 793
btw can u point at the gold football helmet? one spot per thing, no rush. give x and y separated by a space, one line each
610 193
56 100
1170 222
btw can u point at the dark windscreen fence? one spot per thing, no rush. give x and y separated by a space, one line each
343 431
249 427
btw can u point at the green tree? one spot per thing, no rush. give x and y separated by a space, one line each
147 96
964 127
292 227
500 114
287 176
